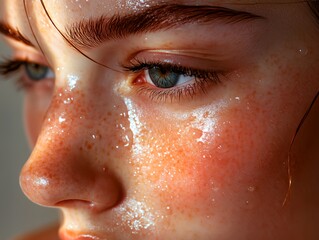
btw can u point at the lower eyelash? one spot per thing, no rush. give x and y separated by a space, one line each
163 95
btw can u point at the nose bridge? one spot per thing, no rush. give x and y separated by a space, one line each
75 152
67 115
84 118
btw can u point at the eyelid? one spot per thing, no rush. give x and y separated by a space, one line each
197 53
171 57
31 58
29 54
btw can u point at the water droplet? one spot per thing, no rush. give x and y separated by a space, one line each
41 182
68 100
72 81
303 51
61 119
251 188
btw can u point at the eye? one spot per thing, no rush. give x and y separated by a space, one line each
161 81
163 77
37 72
28 73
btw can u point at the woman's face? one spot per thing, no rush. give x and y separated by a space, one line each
171 119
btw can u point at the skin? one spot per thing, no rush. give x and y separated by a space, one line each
121 165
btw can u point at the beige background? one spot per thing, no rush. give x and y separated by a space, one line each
17 213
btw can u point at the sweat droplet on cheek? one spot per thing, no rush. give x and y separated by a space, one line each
172 156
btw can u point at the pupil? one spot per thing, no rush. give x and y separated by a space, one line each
163 71
163 78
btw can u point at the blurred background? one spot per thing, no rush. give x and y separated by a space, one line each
17 213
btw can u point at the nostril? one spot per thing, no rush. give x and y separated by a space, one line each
83 204
75 203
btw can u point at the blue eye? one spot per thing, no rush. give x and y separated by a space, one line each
163 77
37 72
169 80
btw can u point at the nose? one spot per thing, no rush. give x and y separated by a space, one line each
70 164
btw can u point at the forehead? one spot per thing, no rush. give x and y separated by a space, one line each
79 9
19 13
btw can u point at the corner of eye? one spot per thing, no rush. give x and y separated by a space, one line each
123 88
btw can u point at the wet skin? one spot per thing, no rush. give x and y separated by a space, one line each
124 159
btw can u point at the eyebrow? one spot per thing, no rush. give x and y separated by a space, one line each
13 33
91 33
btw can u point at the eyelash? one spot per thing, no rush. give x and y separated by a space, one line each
202 79
9 67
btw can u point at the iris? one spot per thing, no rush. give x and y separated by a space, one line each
163 78
36 71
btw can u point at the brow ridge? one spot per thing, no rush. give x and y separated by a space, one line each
13 33
91 33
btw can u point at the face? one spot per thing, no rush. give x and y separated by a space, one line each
175 121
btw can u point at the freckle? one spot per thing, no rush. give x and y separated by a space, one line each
196 133
88 145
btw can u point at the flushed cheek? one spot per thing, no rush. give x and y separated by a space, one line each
169 155
212 157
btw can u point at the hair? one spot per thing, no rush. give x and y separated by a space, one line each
314 5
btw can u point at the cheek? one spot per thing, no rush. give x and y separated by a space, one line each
212 161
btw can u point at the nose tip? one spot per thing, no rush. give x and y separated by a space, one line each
53 181
34 188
